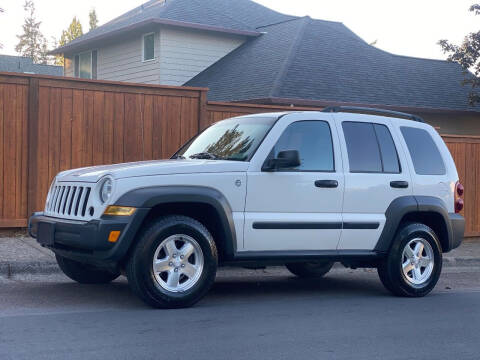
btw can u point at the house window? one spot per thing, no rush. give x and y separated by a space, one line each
148 47
86 65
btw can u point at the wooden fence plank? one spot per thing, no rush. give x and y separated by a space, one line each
43 140
118 129
78 128
10 159
109 113
148 128
25 150
158 119
98 126
87 132
66 129
54 132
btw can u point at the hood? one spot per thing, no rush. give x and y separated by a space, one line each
150 168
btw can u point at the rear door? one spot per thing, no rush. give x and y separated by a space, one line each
376 173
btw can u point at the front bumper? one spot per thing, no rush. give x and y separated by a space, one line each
87 241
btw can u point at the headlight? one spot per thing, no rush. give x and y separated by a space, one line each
106 190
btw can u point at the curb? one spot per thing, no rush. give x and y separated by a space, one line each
461 262
9 269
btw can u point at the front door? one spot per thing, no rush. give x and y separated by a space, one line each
298 208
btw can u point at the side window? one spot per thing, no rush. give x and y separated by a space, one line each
148 47
313 141
370 148
390 161
86 65
76 66
425 155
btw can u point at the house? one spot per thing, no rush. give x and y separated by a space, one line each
20 64
245 52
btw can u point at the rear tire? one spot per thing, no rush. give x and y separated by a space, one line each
84 273
414 263
315 269
174 263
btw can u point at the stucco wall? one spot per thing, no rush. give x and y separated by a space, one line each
454 124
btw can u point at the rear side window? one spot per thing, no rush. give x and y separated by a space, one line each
370 148
390 161
425 155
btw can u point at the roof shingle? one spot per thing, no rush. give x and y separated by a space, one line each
236 16
21 64
324 61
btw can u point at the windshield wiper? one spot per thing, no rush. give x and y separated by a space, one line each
205 155
179 157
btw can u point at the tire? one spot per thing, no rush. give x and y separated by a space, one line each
418 279
310 269
84 273
182 280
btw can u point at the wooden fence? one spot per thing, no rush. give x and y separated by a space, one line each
50 124
466 153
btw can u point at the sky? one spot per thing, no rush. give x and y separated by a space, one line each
406 27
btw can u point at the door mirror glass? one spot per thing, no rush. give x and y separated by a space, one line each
285 159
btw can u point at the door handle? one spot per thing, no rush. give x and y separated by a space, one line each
399 184
326 184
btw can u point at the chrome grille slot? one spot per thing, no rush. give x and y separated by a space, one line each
80 196
86 201
69 200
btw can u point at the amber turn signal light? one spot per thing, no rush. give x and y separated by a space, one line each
119 210
113 237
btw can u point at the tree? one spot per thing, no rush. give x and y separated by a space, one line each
232 142
32 43
74 31
93 19
467 55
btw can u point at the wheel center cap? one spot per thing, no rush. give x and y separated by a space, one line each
176 261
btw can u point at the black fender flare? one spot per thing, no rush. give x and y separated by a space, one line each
149 197
404 205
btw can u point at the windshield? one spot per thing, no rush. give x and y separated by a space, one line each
232 139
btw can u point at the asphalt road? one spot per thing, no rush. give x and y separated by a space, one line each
247 315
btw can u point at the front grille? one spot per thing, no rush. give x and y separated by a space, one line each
68 200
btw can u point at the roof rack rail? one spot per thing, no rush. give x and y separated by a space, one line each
372 111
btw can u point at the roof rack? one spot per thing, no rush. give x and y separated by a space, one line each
372 111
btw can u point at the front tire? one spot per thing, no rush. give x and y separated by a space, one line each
315 269
84 273
414 263
174 263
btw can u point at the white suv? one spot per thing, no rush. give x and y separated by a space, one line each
364 187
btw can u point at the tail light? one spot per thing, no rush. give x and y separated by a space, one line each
459 191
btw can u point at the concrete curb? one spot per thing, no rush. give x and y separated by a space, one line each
10 269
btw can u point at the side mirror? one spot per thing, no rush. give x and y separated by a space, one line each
284 160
